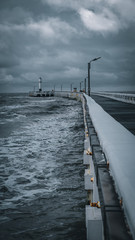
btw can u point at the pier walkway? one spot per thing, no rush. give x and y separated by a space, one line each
123 112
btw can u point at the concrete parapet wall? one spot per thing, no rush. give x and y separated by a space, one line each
123 97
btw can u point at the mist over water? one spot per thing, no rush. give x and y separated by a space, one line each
42 192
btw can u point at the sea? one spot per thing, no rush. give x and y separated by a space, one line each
42 194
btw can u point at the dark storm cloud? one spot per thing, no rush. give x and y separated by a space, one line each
55 39
8 63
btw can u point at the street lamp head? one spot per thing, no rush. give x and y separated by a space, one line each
89 66
95 59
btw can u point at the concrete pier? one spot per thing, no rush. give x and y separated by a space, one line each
113 214
105 216
41 94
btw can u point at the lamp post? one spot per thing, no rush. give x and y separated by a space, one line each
71 86
89 66
81 86
85 85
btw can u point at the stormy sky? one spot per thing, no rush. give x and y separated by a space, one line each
55 40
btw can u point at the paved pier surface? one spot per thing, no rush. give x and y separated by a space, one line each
122 112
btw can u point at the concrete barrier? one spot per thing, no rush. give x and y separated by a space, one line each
123 97
118 146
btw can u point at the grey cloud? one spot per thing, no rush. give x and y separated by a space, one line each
49 39
16 15
5 62
124 10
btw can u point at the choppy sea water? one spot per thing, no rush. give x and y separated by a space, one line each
42 193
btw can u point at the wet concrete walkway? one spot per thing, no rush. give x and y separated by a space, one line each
124 113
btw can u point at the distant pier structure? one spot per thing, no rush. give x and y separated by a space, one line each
40 92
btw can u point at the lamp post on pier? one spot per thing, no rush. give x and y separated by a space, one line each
71 86
81 86
85 85
89 67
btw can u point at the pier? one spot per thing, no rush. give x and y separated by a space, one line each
109 176
112 149
41 94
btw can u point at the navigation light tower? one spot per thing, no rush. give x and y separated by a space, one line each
40 84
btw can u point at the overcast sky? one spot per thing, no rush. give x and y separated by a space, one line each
55 40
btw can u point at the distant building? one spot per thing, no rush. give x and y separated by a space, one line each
75 90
